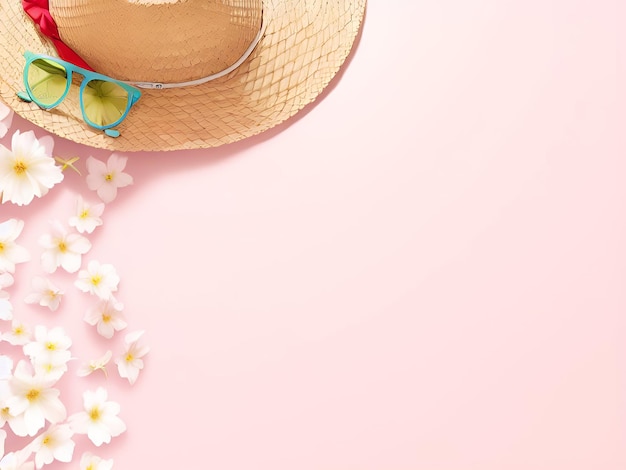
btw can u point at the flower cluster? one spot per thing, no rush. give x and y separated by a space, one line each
31 403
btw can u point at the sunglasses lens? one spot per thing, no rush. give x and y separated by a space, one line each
105 102
47 81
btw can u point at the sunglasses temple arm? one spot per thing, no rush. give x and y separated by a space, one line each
24 96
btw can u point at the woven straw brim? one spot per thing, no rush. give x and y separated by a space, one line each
305 44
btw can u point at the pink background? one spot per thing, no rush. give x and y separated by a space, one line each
424 270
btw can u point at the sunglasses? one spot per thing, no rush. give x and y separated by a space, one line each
104 101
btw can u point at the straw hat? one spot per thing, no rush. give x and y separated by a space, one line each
301 46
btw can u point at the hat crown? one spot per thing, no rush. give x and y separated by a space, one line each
158 40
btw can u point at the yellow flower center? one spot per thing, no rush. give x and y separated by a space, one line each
95 280
89 467
5 412
62 246
108 177
94 414
32 394
1 247
106 318
18 330
51 346
20 168
129 357
84 214
46 441
52 294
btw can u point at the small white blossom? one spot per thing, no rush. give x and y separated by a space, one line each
54 444
28 169
10 252
99 420
106 178
33 397
107 317
62 249
45 293
98 279
6 117
130 362
94 365
87 217
18 335
49 352
88 461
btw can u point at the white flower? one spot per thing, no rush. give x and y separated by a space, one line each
107 317
6 117
99 420
49 352
98 279
130 363
62 249
19 334
94 365
28 169
54 444
6 308
17 460
34 397
87 217
92 462
45 293
10 252
105 179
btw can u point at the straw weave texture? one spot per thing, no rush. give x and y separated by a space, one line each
305 44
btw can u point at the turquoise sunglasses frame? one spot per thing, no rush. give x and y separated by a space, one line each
133 92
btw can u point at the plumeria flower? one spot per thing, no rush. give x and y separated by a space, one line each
106 178
98 279
50 348
99 420
87 217
45 293
28 169
88 461
130 363
54 444
34 397
107 317
18 335
62 249
10 252
94 365
6 117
